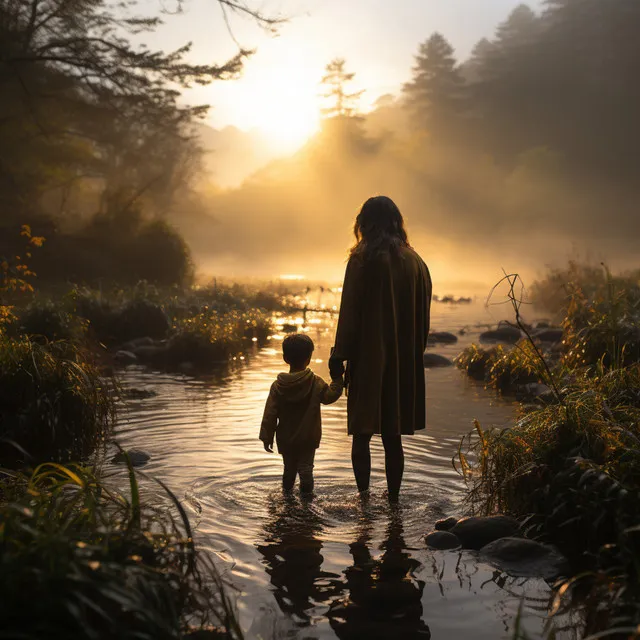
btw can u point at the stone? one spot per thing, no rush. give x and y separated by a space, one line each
136 457
125 357
138 342
520 557
441 337
442 540
504 334
551 335
476 532
535 391
447 524
435 360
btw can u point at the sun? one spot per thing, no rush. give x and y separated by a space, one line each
280 99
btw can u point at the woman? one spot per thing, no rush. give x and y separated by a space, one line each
382 334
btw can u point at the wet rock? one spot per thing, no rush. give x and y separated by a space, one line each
441 337
535 391
138 394
138 342
435 360
525 558
504 333
551 335
136 456
447 524
125 357
543 324
442 540
476 532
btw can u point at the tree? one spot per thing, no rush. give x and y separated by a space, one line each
435 94
336 82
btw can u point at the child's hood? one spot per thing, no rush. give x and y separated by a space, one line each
294 387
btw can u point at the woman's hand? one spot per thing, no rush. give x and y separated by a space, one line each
336 367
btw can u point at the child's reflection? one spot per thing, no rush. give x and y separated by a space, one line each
384 599
293 560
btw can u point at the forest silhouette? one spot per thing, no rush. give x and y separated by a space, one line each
531 141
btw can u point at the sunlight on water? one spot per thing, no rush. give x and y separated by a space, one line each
298 564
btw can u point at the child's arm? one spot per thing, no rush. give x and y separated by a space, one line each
269 421
332 392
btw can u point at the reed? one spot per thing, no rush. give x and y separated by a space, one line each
79 559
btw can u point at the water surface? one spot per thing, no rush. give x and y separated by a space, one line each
333 567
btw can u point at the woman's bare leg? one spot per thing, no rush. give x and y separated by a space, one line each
394 464
361 460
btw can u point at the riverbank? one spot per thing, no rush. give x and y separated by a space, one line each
570 466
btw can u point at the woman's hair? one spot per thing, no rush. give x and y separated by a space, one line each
379 228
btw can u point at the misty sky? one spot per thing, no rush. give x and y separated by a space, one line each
280 85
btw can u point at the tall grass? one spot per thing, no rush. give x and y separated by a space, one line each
54 405
573 467
80 560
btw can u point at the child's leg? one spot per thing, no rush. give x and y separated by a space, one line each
290 470
305 470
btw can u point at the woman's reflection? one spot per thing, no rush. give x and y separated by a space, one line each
384 597
293 560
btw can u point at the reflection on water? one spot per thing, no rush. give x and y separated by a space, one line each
332 567
384 598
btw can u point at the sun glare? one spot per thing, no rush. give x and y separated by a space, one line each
281 101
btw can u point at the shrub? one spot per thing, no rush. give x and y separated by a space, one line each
47 321
53 402
80 560
141 318
210 337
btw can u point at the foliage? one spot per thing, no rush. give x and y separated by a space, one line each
79 559
603 330
47 321
15 274
211 338
505 369
53 403
553 292
573 467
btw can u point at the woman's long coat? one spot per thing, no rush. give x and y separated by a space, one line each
382 333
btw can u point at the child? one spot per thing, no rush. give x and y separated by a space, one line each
292 412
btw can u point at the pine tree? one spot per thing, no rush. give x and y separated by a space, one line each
435 95
336 81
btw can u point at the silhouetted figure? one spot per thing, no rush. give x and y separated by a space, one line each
292 412
384 599
293 560
382 334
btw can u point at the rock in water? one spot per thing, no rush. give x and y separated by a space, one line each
506 334
125 357
442 540
441 337
137 457
476 532
435 360
549 335
524 558
447 524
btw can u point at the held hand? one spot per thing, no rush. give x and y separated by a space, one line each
268 447
336 368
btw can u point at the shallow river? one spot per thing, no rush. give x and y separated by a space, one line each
295 564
